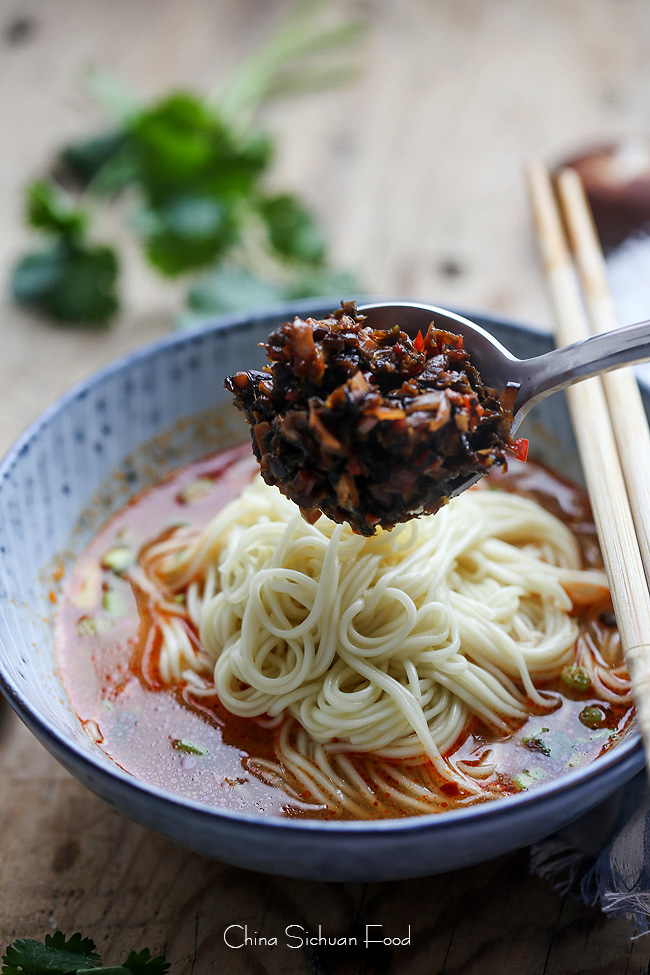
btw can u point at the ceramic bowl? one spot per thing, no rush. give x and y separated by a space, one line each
124 428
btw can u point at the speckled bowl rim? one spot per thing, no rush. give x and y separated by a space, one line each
628 752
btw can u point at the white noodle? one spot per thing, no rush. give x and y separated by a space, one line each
383 645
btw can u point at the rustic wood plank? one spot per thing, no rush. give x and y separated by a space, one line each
416 171
72 862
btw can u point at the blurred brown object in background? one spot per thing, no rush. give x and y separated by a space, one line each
616 177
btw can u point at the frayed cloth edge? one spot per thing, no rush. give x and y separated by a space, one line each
557 862
562 866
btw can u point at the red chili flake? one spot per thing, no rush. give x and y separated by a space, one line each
520 448
419 342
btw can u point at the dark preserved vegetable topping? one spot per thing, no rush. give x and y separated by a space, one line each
369 426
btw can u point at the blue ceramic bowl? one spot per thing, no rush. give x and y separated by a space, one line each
123 429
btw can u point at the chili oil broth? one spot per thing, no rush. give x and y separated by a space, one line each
198 749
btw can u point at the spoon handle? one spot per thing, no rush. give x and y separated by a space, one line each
546 374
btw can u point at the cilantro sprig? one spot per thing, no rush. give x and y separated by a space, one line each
76 955
194 170
71 280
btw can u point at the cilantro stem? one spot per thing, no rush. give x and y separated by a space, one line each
271 71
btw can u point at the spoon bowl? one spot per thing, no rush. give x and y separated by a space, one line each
536 378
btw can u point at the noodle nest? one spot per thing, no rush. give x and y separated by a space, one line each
386 644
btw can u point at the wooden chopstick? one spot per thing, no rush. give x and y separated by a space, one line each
621 388
598 454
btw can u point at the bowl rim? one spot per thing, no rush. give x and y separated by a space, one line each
628 751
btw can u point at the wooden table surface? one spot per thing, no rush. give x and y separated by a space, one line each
416 171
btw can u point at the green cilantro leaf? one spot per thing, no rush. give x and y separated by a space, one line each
187 233
323 282
143 963
75 956
196 166
173 140
118 172
83 161
181 146
293 231
49 209
70 282
230 288
55 956
36 273
255 152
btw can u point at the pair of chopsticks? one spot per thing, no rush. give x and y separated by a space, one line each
608 416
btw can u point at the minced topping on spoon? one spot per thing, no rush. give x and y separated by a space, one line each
369 426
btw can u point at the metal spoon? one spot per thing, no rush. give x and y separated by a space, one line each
537 377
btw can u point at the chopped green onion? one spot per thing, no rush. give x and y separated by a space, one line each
537 744
118 559
88 595
93 625
195 491
601 733
113 603
523 780
188 747
592 717
575 677
180 598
